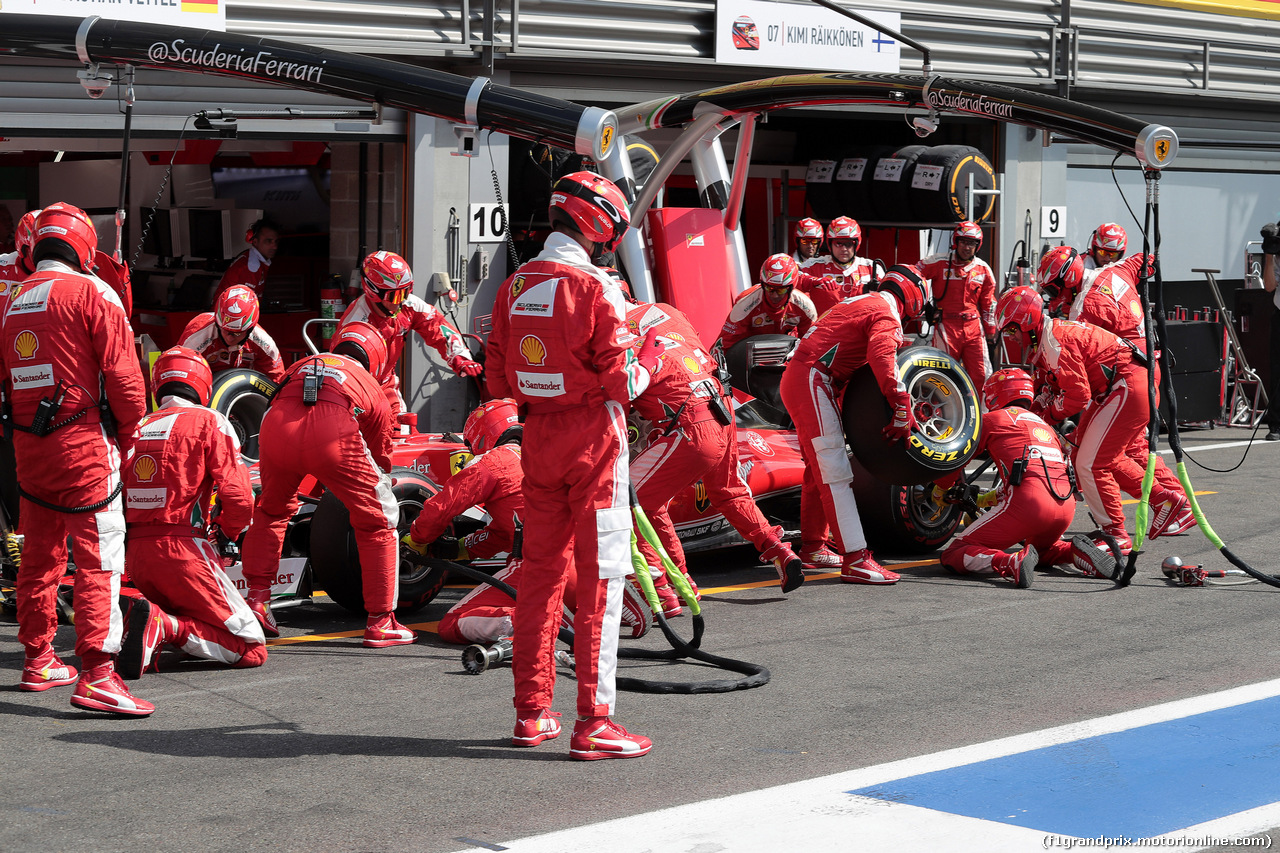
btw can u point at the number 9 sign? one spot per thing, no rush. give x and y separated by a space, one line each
1053 222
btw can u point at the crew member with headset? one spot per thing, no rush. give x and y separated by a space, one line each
229 336
964 292
808 233
841 274
75 397
250 266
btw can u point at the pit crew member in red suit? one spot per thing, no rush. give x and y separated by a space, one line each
808 233
17 265
184 451
388 304
67 341
964 289
343 439
772 307
1108 298
864 330
250 266
559 349
229 337
1035 511
694 438
1100 376
842 274
1106 246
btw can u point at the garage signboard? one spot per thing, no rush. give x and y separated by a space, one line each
787 35
198 14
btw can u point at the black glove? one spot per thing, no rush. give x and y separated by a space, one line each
1270 239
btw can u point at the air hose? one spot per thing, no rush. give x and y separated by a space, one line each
1175 441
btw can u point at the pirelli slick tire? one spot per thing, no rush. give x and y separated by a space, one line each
902 519
946 410
243 396
336 561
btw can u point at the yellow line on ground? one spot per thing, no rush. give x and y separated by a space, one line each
340 635
1128 501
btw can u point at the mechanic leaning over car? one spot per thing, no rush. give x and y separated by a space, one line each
74 398
840 274
183 452
1108 298
388 304
330 419
772 307
250 266
17 265
1035 502
964 289
559 349
694 438
1100 376
229 337
866 329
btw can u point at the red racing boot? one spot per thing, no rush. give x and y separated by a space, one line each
147 628
667 596
1019 567
259 601
100 689
861 567
600 737
383 630
1094 560
533 730
46 670
1173 517
789 566
821 558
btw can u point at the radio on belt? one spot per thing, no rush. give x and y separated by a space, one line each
312 382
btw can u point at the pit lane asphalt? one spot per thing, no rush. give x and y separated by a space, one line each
333 747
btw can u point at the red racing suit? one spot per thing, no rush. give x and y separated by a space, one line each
1110 300
1099 379
256 352
344 440
965 296
414 315
66 334
249 268
751 314
1036 511
826 282
493 480
182 451
13 271
862 330
699 447
559 347
485 614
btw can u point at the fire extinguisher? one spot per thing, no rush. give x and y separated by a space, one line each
331 307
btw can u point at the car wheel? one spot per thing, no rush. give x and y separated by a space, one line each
902 519
244 397
335 559
946 410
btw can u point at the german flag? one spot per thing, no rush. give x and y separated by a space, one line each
200 6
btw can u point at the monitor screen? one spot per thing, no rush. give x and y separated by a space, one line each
207 233
158 237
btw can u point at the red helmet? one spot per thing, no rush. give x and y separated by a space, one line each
386 275
367 340
1019 316
779 271
968 230
844 228
1109 236
809 228
184 366
24 236
70 226
593 206
236 309
909 287
1006 387
489 422
1060 273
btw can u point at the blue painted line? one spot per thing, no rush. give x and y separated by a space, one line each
1139 783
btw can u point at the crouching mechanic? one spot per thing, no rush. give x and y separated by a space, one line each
1101 377
866 329
229 337
331 420
184 451
388 305
695 438
772 307
1035 503
74 395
